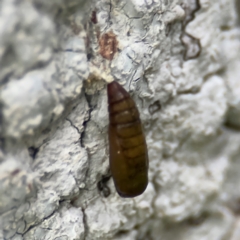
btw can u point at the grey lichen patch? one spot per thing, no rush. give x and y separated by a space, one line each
26 40
66 163
43 95
65 224
34 211
28 108
32 43
19 193
143 31
219 223
184 139
107 227
16 182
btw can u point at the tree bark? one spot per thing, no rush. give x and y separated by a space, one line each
180 62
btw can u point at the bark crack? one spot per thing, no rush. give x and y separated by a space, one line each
192 45
37 224
85 225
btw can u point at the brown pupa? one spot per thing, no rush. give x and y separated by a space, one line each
127 145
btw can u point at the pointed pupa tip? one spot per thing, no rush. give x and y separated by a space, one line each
116 92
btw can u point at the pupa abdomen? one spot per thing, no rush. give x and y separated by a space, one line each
127 145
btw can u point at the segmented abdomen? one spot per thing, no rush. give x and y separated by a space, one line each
128 150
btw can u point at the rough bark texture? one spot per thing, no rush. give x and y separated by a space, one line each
179 60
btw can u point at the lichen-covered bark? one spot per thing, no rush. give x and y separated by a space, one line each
180 62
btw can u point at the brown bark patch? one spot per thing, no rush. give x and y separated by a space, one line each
108 45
